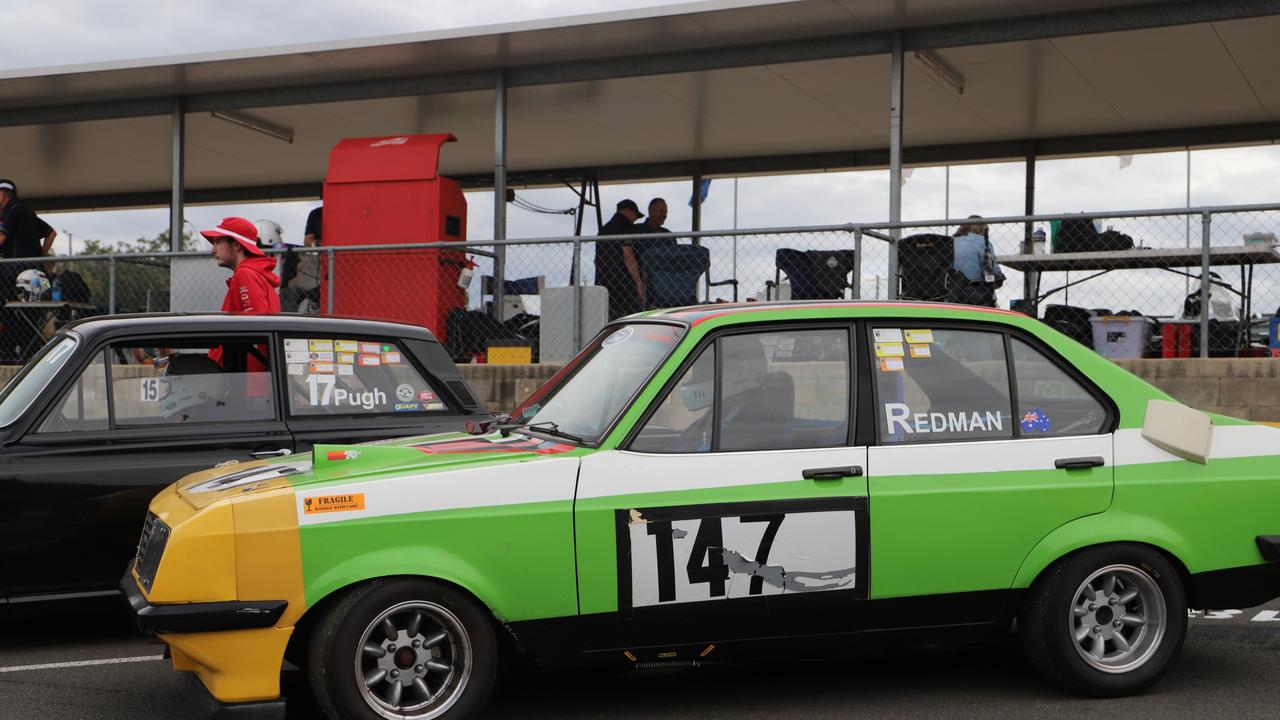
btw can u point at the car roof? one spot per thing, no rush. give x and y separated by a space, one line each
101 325
744 311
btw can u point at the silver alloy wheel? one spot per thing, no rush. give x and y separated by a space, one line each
1118 618
413 661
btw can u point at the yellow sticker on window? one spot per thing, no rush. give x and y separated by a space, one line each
918 336
346 345
319 345
889 349
333 503
920 351
891 364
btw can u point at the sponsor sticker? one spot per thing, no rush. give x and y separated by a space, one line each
297 368
346 358
346 345
920 351
889 349
404 392
295 344
433 405
891 364
619 336
322 356
333 503
322 368
368 360
401 407
887 335
391 358
297 356
426 396
346 370
919 336
320 345
342 455
366 347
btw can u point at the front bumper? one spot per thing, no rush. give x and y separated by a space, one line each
199 617
207 706
233 648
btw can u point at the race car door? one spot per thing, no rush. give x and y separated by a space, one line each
987 442
735 508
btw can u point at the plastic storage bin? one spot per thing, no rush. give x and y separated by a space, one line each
1120 337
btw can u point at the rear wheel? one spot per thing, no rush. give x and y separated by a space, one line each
1106 621
413 649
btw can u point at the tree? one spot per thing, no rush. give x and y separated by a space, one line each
142 283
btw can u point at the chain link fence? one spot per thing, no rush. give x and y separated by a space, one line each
1127 284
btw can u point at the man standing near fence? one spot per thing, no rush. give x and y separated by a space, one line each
251 290
617 267
22 234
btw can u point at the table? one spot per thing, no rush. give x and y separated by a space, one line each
29 337
1101 263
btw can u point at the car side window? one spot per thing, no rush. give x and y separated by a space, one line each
775 391
783 390
682 422
84 407
355 376
938 384
1051 402
198 381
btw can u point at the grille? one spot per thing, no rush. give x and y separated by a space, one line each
155 534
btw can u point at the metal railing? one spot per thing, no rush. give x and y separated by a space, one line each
554 301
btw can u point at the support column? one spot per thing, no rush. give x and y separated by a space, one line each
499 192
696 222
895 162
179 125
1030 279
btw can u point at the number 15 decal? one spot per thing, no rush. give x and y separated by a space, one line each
677 559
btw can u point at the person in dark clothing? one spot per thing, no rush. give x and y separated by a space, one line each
652 224
71 284
22 235
300 276
617 268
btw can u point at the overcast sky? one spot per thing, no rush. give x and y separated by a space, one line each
59 32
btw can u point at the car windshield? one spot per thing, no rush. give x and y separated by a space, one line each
18 395
592 390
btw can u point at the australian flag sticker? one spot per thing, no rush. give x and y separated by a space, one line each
1035 421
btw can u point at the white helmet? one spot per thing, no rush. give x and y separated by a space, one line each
270 234
31 284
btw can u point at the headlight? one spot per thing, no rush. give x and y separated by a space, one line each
155 534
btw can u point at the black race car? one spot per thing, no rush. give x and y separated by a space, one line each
113 409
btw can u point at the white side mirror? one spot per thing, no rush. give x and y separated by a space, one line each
1183 431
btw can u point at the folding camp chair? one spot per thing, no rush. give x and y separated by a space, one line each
672 273
813 274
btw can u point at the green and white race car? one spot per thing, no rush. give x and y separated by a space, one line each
710 482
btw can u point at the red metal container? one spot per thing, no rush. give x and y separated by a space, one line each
386 190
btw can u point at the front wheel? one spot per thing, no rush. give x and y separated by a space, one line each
405 648
1106 621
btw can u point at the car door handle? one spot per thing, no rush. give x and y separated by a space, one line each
1078 463
271 453
832 473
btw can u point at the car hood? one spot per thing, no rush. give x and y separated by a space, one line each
328 464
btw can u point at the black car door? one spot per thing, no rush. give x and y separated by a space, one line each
77 484
354 389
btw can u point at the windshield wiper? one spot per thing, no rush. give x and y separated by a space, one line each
545 426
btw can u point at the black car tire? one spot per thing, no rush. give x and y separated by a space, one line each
1106 621
459 671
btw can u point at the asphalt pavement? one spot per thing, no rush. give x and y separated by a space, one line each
97 666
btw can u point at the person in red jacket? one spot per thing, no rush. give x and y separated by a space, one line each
251 290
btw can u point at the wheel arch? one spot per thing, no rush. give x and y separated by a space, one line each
1098 530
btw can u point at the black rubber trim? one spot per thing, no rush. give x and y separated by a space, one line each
207 706
1269 546
1240 587
199 617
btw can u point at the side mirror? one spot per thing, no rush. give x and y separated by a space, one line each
1183 431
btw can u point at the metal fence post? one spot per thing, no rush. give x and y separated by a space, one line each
577 295
857 264
328 300
111 285
1205 219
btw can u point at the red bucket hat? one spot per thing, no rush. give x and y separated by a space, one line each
238 229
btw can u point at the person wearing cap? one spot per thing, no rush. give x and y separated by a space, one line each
251 289
617 268
22 233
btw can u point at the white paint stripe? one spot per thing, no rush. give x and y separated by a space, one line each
1229 441
984 456
517 483
80 663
